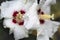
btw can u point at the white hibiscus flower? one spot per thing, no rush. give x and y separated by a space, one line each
46 28
13 13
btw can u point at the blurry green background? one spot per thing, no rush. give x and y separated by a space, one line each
4 33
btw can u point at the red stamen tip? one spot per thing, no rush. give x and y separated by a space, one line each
42 13
39 11
14 21
22 12
41 21
21 23
15 13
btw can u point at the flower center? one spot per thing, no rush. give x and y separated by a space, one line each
42 21
18 17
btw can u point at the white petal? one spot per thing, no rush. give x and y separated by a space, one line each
53 27
45 6
19 31
53 1
7 11
33 17
46 9
43 37
49 28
